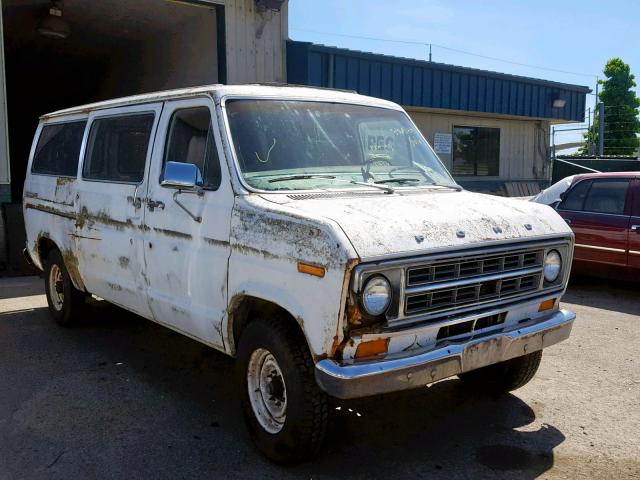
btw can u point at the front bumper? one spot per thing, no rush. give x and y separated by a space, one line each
361 379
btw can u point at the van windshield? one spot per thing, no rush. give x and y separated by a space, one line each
305 145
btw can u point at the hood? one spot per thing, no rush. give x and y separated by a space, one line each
418 221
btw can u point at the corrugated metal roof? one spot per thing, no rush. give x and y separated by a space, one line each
418 83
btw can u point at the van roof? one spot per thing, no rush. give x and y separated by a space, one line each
219 91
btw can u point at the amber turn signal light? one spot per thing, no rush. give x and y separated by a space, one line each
547 305
373 347
309 269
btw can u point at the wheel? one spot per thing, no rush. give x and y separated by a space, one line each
65 301
504 376
284 409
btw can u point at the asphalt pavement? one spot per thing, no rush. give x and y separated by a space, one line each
123 398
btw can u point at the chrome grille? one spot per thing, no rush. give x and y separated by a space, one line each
467 268
453 283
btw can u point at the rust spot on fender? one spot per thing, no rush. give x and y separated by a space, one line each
51 210
114 286
71 262
247 250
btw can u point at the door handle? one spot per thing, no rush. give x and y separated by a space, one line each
152 204
635 228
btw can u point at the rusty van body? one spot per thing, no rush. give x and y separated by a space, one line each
312 234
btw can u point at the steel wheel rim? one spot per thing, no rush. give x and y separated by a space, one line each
267 390
56 287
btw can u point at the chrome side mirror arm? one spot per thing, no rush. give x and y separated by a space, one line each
183 207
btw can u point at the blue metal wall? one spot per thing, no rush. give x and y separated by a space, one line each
418 83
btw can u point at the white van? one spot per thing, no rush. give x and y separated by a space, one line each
312 234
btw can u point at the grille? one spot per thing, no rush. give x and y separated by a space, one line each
471 327
459 282
469 268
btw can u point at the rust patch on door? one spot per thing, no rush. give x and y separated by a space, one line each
173 233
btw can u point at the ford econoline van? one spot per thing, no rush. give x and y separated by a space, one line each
312 234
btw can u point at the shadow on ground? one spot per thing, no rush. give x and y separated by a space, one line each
613 295
121 397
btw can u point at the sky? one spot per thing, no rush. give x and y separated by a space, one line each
561 35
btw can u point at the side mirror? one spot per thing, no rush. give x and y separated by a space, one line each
185 176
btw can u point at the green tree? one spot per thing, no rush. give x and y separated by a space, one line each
621 104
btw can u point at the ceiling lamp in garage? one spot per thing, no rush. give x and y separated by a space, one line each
53 25
273 5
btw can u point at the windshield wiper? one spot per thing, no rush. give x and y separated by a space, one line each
386 188
397 180
304 176
307 176
457 188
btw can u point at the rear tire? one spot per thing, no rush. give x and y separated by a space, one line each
504 376
64 300
284 409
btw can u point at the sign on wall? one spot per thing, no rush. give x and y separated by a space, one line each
442 143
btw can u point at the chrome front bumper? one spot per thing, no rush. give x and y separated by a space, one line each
364 378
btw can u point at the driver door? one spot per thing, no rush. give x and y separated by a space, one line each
187 234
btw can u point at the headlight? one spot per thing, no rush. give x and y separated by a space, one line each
376 295
552 266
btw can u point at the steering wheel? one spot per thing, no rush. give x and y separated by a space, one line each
410 169
366 172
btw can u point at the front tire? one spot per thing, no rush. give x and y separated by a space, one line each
64 300
284 409
505 376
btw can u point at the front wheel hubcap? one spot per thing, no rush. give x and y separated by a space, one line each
56 287
267 390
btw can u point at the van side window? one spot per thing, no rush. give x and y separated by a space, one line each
58 149
117 148
190 140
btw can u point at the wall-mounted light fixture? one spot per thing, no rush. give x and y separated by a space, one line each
273 5
559 102
53 25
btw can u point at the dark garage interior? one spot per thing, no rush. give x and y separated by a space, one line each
60 55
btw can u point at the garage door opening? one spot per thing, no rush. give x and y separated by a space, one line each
113 48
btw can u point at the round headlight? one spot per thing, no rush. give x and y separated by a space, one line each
552 266
376 295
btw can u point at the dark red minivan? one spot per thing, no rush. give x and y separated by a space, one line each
603 210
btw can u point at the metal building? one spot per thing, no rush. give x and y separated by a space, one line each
60 53
489 128
55 54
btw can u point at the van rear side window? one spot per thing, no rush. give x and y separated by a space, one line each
117 148
58 149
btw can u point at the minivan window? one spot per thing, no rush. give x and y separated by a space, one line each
576 196
117 148
191 140
607 196
58 149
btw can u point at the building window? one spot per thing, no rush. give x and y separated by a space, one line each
476 151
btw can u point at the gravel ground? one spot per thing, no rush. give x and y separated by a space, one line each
121 397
